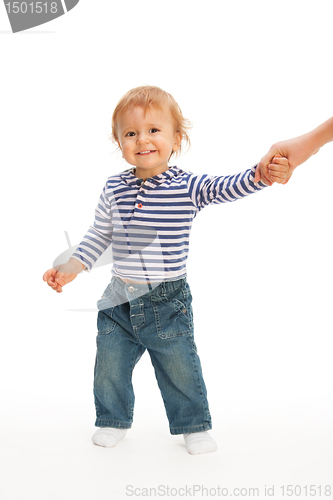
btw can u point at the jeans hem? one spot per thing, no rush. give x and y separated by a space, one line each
102 422
191 429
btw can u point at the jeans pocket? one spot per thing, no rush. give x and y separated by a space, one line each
105 323
173 318
105 302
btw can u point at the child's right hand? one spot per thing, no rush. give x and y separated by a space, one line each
276 171
59 276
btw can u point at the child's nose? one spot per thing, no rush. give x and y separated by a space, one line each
142 138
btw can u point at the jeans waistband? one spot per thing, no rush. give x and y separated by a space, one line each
160 288
118 292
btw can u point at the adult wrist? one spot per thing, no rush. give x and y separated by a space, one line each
321 135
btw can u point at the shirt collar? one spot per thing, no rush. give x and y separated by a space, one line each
131 180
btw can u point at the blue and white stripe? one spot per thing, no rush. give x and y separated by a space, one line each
149 223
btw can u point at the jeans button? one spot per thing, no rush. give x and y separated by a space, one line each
131 289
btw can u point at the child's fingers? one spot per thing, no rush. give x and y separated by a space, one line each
51 278
57 287
48 274
274 167
60 279
54 279
279 178
280 160
51 282
277 172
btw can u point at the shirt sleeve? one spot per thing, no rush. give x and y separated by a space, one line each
207 190
99 235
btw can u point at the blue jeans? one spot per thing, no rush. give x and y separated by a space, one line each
160 321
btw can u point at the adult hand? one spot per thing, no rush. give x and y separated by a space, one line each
297 150
277 171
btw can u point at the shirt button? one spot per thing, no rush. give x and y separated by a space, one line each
140 205
131 289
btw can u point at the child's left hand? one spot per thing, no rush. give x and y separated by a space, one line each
277 171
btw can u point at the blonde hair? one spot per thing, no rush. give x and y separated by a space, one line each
148 97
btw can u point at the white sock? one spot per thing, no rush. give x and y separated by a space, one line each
199 442
108 436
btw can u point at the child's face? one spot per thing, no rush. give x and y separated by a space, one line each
147 140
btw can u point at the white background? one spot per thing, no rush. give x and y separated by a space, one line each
247 74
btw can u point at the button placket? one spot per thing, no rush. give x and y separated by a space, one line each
140 197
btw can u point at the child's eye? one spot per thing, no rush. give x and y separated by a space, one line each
153 130
130 134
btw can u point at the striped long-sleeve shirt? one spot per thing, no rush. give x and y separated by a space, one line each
148 223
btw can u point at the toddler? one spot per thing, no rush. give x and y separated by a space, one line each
146 214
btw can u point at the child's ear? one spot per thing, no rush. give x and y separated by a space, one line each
178 140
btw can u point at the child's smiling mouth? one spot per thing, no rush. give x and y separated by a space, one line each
147 152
